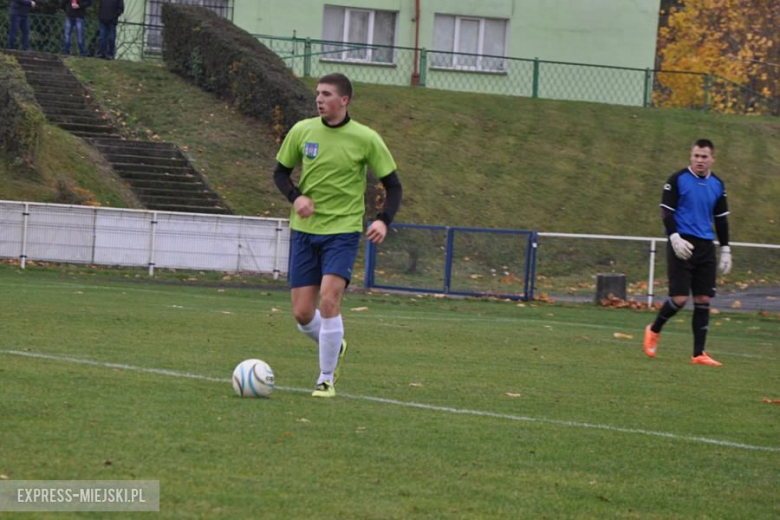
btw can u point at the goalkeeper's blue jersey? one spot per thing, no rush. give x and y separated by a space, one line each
695 201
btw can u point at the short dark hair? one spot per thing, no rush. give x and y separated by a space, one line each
704 143
340 81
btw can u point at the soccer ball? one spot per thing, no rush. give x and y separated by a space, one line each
253 378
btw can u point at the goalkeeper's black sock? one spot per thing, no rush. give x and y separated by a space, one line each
667 311
700 324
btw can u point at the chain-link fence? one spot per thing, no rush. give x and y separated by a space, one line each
444 70
519 76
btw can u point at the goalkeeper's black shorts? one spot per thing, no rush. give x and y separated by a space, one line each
695 275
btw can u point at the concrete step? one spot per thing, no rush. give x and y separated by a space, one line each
130 167
162 192
94 129
167 185
74 103
39 72
120 150
182 200
57 89
150 160
92 135
38 59
34 65
152 176
31 55
146 145
54 80
55 110
64 96
86 118
189 209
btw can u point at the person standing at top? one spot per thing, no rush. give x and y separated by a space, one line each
108 16
18 14
692 199
327 215
75 11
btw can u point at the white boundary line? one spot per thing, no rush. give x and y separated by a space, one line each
410 404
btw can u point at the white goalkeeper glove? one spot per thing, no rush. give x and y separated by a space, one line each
682 248
725 260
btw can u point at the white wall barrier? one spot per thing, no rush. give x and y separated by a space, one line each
142 238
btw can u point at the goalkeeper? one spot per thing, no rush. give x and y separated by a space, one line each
692 199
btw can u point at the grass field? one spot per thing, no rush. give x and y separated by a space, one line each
447 408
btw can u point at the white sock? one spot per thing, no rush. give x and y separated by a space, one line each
331 334
312 329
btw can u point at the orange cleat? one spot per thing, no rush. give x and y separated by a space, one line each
651 341
704 359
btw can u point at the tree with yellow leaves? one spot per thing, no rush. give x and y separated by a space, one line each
725 54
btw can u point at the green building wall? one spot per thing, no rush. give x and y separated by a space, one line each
615 33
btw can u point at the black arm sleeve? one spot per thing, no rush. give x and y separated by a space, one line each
284 182
722 229
392 185
669 223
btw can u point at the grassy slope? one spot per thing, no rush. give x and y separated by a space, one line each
468 159
63 156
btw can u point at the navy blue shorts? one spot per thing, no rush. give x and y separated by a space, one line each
314 256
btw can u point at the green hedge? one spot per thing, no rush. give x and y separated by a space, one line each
219 57
20 113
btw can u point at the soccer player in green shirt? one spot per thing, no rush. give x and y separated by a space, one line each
327 215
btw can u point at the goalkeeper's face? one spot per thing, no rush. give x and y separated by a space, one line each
701 160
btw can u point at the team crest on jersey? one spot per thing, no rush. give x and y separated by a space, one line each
311 150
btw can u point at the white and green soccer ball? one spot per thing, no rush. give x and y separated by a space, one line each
253 378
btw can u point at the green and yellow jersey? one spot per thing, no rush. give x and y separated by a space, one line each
334 162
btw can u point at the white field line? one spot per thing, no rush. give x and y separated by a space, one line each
408 404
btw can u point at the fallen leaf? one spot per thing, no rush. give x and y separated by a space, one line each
736 305
303 420
359 309
416 385
510 394
620 335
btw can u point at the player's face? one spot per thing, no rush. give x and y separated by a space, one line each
330 104
701 160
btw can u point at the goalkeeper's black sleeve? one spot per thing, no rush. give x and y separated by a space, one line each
669 223
392 185
722 229
284 182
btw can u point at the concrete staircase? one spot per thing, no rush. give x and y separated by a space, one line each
159 173
161 176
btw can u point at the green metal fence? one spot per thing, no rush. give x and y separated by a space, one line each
451 71
519 76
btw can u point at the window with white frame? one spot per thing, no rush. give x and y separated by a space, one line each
371 33
468 43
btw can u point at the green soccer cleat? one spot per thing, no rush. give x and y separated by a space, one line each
324 389
342 352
